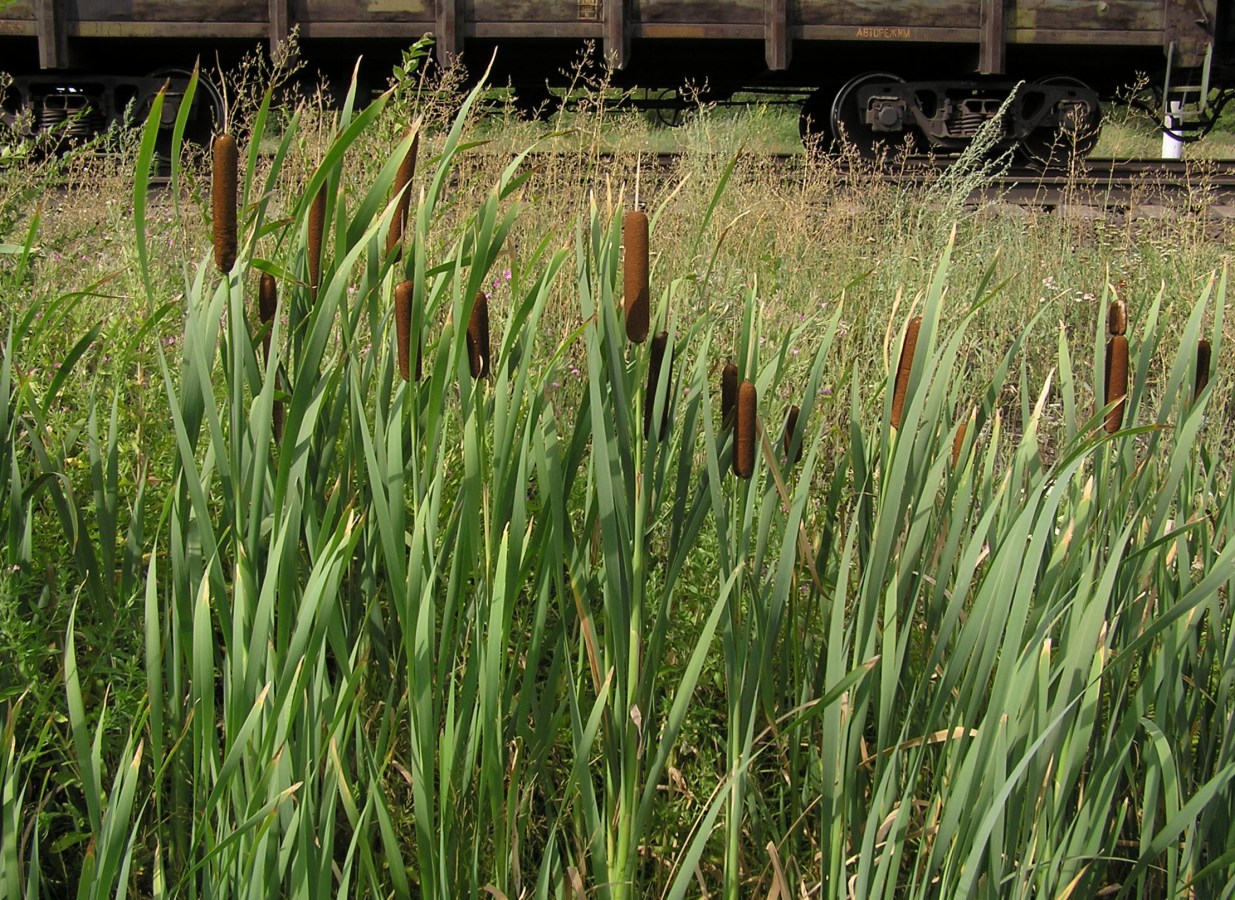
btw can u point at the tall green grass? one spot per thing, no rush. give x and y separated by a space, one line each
455 635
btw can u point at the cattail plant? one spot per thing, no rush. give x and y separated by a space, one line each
1117 318
267 303
728 393
276 415
744 425
660 344
478 337
403 180
635 240
791 426
403 329
317 227
958 444
903 369
223 196
1203 352
1116 380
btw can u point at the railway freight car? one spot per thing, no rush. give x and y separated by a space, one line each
879 71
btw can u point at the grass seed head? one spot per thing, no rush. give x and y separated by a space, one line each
903 368
478 337
1203 353
1116 381
728 393
223 202
267 304
403 329
660 345
791 425
403 180
745 428
1117 318
638 301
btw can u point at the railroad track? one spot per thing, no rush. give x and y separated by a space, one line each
1139 186
1136 187
1143 185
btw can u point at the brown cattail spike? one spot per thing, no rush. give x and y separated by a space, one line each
1203 352
403 180
791 426
1117 318
317 227
276 415
638 301
1116 381
728 393
267 303
903 369
478 337
223 197
958 443
403 327
660 345
745 428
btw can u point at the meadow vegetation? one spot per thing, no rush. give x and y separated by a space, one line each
302 599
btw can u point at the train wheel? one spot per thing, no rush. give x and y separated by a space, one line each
206 116
848 124
1073 139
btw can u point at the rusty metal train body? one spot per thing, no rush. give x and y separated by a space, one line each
884 70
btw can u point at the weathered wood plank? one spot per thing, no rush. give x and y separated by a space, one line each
1069 15
776 46
280 25
20 10
992 54
51 28
165 11
448 33
307 12
717 12
617 33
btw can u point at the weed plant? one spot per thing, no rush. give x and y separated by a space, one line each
517 628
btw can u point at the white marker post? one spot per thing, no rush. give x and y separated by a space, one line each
1172 147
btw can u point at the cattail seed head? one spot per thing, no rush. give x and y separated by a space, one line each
267 303
403 328
478 337
317 227
903 368
223 202
728 393
276 417
1203 352
638 301
791 425
1117 318
660 345
407 171
745 428
958 443
1116 380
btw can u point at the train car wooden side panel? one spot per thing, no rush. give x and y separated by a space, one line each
1028 22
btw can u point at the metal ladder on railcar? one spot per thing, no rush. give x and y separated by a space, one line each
1187 114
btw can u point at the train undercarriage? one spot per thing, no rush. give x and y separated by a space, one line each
1049 120
1046 119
